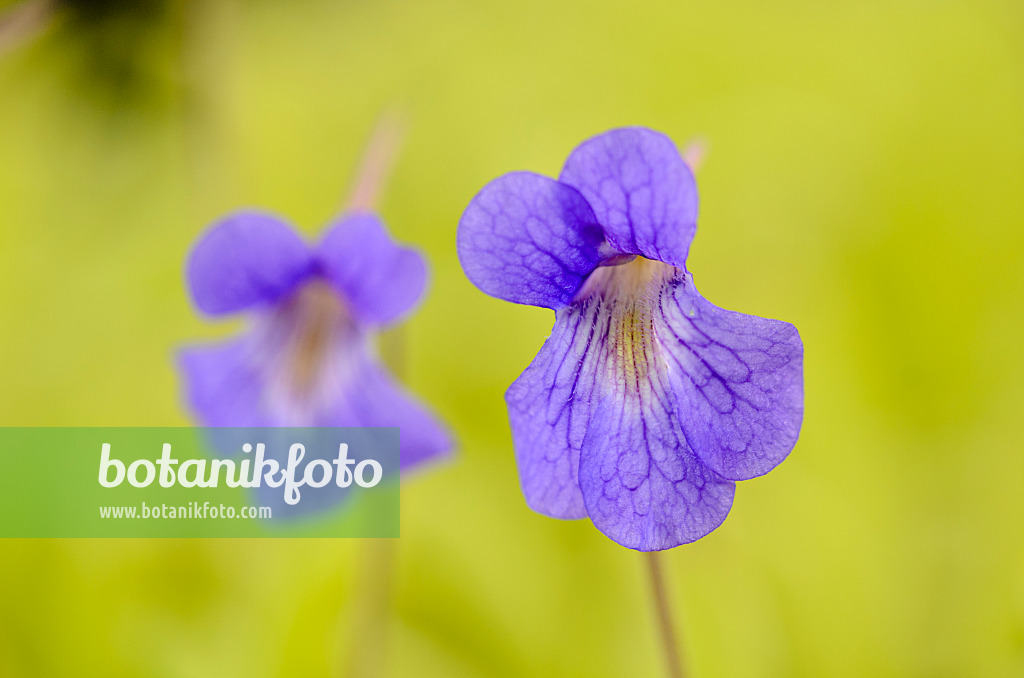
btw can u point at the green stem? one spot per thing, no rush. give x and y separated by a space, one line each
367 635
368 630
663 614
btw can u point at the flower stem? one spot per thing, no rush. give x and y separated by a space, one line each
367 635
368 624
663 614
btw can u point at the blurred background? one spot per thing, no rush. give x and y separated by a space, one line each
863 182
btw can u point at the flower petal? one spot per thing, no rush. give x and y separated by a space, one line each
373 398
240 383
641 481
595 425
381 279
640 189
223 386
529 239
739 381
643 486
245 260
548 410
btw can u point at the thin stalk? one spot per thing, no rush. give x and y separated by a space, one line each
368 624
663 615
368 629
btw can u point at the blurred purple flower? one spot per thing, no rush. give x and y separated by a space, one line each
646 402
308 358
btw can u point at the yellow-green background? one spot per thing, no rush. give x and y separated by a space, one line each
864 182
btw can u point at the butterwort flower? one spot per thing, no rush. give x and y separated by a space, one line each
646 402
307 358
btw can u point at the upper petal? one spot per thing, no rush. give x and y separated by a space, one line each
529 239
548 410
381 279
640 189
246 259
738 379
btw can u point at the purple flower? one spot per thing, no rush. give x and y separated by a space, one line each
307 358
646 402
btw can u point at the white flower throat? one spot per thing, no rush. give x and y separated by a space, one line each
307 345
